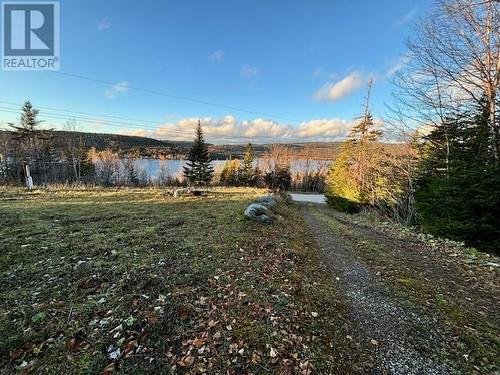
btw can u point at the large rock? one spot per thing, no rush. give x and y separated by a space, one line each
268 200
184 192
181 192
258 212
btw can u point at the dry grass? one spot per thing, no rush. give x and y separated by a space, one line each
134 281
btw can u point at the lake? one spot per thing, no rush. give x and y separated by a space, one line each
174 167
309 198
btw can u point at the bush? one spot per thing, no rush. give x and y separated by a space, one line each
464 207
342 204
279 180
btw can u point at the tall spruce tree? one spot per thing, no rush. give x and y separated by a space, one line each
352 179
365 136
457 189
247 173
199 169
35 148
28 131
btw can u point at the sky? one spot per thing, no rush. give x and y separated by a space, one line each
258 71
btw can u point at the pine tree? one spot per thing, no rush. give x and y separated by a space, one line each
199 169
35 148
28 131
365 137
247 173
352 178
460 176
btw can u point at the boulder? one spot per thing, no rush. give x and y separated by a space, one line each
181 192
258 212
268 200
184 192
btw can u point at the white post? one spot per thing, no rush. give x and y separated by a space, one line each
29 180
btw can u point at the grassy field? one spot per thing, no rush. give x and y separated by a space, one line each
135 281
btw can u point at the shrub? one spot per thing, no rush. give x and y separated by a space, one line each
343 204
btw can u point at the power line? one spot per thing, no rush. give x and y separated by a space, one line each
17 105
122 124
179 97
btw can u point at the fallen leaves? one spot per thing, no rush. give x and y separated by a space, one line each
186 361
208 301
199 342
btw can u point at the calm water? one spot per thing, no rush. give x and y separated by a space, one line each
174 167
311 198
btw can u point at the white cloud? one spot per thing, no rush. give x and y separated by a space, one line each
324 129
228 129
249 71
403 60
116 89
336 90
217 56
103 25
136 133
225 129
405 18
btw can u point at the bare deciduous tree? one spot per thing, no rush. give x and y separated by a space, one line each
453 65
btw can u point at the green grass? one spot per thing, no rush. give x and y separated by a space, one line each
181 285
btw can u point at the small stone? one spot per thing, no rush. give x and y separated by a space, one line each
272 353
115 354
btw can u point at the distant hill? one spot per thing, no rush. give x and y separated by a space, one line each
136 146
313 150
123 144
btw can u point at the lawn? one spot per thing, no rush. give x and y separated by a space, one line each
136 281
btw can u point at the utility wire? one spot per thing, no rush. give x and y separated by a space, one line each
121 124
179 97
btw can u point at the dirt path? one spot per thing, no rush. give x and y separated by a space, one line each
412 309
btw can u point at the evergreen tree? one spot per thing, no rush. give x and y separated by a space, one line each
353 179
278 180
35 148
131 172
28 131
457 189
199 169
247 172
365 138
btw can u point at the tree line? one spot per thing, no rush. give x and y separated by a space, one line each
447 177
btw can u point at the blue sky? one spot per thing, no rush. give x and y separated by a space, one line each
302 66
